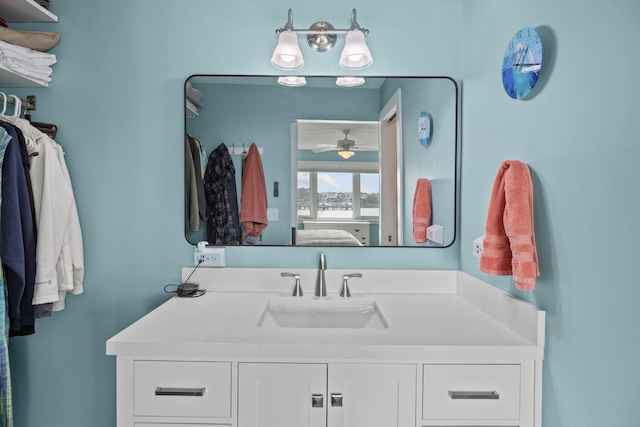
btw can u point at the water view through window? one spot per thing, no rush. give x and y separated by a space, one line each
338 195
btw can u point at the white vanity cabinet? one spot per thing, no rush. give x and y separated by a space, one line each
462 354
326 395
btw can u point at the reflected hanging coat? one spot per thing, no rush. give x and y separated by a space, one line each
223 224
253 212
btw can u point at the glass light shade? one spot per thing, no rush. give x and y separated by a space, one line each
346 154
349 81
356 54
287 55
292 81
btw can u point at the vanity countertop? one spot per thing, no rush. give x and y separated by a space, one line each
458 318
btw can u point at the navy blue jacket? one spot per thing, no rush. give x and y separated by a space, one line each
17 238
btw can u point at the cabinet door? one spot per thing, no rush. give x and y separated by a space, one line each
371 395
282 395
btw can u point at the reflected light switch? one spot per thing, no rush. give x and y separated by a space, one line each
273 214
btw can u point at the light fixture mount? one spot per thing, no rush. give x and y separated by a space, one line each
322 40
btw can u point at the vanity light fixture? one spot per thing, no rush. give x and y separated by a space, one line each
292 81
349 81
346 154
321 37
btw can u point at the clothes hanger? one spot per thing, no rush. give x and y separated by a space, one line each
17 110
4 105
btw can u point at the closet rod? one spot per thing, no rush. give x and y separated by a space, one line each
239 150
29 104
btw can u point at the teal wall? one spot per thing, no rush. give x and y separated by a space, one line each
579 135
116 97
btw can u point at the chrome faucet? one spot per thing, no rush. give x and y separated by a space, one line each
321 284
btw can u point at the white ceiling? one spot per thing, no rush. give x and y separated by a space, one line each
314 132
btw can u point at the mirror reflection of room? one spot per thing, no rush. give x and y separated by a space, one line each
340 165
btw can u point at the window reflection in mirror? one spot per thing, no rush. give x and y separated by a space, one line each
239 110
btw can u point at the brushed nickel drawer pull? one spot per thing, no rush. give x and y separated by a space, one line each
173 391
474 394
336 399
317 400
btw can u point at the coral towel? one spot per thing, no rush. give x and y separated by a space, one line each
253 204
509 246
421 210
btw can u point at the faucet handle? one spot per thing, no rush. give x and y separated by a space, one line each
344 292
297 290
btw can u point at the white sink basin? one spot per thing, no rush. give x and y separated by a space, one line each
328 312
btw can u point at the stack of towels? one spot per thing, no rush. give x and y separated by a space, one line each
27 62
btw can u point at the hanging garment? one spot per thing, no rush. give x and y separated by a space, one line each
196 202
59 253
17 241
253 204
70 266
6 406
223 225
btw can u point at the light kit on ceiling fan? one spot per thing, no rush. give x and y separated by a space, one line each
346 154
321 37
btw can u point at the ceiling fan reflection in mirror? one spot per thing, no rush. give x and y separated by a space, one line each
346 147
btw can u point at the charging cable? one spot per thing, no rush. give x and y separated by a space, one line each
186 289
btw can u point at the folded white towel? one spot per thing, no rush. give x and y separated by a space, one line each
25 54
25 68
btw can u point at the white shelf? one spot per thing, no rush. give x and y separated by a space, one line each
10 79
25 11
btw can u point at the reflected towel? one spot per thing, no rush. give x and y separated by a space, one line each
421 210
509 246
253 204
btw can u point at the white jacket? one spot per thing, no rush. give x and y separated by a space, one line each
59 252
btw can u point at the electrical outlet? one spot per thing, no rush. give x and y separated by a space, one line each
435 234
210 257
477 246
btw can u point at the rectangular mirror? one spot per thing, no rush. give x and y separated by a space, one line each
341 164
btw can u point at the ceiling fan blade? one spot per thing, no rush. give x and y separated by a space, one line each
356 148
320 148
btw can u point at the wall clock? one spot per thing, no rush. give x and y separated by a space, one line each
522 63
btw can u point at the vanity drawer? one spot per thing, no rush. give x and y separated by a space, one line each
187 389
465 392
